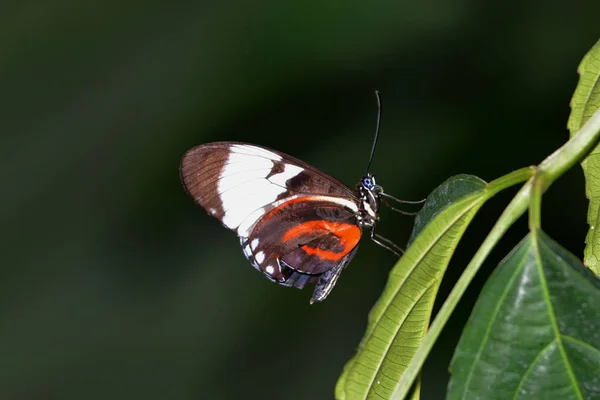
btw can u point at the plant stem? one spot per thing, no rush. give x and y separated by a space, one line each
571 152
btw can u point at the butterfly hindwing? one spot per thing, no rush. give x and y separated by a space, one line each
309 234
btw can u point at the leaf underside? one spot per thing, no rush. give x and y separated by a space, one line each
585 102
535 330
399 319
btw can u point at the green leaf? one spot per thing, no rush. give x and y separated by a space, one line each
400 318
585 102
443 196
535 330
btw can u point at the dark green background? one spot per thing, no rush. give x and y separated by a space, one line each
114 285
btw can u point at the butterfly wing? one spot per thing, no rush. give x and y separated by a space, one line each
238 183
304 240
295 222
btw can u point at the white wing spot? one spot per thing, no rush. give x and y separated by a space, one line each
242 186
260 257
240 168
247 251
270 270
254 151
254 243
289 171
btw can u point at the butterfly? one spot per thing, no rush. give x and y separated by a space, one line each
296 224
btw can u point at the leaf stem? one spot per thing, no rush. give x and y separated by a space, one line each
535 205
518 176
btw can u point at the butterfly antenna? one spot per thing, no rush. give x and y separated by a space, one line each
376 130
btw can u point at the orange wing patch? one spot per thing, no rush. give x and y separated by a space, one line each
349 235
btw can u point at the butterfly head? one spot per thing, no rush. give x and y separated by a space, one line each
370 198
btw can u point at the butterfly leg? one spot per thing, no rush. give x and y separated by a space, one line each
402 201
397 209
386 243
399 201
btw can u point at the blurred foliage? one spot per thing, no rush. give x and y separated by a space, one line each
114 285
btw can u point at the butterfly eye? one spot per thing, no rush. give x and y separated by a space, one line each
368 182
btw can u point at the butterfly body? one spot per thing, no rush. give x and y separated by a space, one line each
296 224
